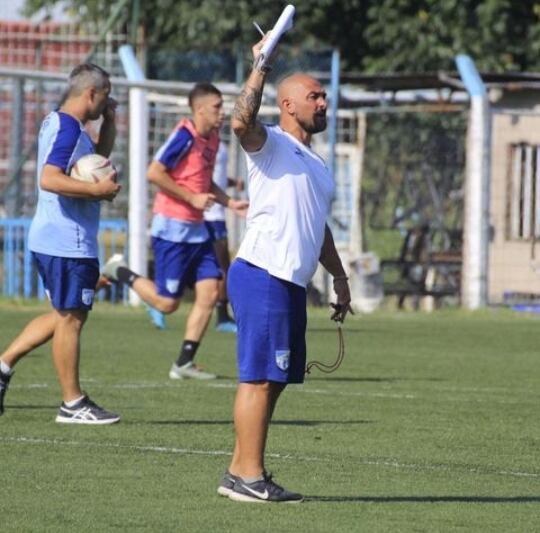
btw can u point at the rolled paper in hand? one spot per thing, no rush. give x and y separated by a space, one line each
284 23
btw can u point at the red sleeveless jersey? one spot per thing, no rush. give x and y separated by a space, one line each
193 172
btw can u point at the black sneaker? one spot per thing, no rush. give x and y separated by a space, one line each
4 382
227 483
85 411
262 491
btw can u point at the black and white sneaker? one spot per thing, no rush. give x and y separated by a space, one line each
85 411
262 491
227 483
4 382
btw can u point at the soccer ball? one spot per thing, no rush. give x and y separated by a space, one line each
91 168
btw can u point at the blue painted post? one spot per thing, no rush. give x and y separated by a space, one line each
334 104
474 284
332 133
10 263
27 263
19 247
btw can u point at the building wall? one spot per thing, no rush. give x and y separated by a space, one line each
510 265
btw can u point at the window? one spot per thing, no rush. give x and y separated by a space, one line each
524 192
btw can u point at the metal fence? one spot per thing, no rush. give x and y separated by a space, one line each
26 96
408 162
18 272
412 199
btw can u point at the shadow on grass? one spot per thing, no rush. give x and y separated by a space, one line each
309 423
352 379
425 499
369 380
22 407
333 330
323 377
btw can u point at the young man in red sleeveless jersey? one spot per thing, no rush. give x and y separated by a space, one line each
183 252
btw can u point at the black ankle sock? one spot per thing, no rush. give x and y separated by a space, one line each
127 276
222 311
187 353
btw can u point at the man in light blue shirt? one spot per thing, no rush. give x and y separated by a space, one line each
63 237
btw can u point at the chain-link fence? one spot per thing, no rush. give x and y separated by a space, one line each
25 98
24 101
409 162
412 198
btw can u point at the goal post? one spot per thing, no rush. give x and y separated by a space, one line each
138 163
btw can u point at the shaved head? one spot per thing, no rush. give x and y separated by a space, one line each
295 85
302 102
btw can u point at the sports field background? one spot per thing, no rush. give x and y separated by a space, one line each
431 424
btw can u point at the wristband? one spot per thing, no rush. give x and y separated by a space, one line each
260 66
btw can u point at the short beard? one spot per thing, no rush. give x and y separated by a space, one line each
95 115
315 126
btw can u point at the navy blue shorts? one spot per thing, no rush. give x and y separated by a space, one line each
70 283
217 229
181 264
271 317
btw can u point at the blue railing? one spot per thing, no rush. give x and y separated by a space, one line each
19 275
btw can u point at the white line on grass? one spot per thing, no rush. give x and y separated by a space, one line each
217 453
161 385
298 389
329 391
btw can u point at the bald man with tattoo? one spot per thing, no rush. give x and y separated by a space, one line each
290 193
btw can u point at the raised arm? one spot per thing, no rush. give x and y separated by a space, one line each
107 133
246 127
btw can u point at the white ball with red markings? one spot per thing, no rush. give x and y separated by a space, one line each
92 168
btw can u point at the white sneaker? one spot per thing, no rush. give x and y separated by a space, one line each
111 267
189 370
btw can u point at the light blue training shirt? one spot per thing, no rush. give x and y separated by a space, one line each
63 226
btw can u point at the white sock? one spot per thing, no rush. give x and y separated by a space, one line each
5 369
72 403
252 479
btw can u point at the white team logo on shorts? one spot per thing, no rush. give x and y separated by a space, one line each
87 296
282 359
172 285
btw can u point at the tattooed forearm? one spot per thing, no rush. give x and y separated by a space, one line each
247 105
244 123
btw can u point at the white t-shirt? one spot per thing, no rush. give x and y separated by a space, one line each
220 177
290 192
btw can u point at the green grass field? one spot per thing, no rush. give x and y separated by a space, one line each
431 424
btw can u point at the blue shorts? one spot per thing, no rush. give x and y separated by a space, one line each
217 229
70 283
271 317
181 264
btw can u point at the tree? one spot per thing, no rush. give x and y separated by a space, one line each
373 35
419 36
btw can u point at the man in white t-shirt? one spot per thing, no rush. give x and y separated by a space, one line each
290 193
